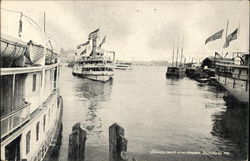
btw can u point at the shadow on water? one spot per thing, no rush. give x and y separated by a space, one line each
230 126
95 93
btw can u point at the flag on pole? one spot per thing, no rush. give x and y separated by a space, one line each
86 43
93 34
80 45
83 52
215 36
230 37
103 41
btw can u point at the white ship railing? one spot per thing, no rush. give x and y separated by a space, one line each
14 120
21 70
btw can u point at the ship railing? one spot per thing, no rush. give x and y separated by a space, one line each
14 120
235 76
240 76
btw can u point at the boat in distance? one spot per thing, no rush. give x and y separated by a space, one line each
120 65
94 63
175 71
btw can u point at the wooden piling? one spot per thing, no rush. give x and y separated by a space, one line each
77 141
117 143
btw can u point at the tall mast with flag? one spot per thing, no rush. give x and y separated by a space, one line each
217 35
225 37
230 37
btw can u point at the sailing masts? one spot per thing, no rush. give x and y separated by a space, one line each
173 54
177 52
181 51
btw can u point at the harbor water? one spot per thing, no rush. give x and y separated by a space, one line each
164 119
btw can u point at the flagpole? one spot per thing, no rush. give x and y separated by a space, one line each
225 38
238 37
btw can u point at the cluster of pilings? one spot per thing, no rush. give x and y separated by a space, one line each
117 143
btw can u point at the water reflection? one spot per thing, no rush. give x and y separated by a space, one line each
157 113
95 93
230 126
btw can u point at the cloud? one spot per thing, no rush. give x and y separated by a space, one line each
141 29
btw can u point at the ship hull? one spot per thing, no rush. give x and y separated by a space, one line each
175 72
30 129
103 77
236 88
124 68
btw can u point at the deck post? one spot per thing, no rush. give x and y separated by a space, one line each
117 143
77 140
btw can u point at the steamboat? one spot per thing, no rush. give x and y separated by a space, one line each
234 76
96 64
121 65
31 106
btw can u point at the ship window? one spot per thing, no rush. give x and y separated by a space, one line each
37 131
44 122
28 142
34 83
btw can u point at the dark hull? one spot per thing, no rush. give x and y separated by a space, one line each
175 72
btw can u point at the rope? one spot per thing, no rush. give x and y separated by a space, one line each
30 20
27 17
10 10
32 24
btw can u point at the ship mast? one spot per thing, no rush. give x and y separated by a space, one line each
182 51
173 55
177 52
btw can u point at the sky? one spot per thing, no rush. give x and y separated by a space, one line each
135 30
